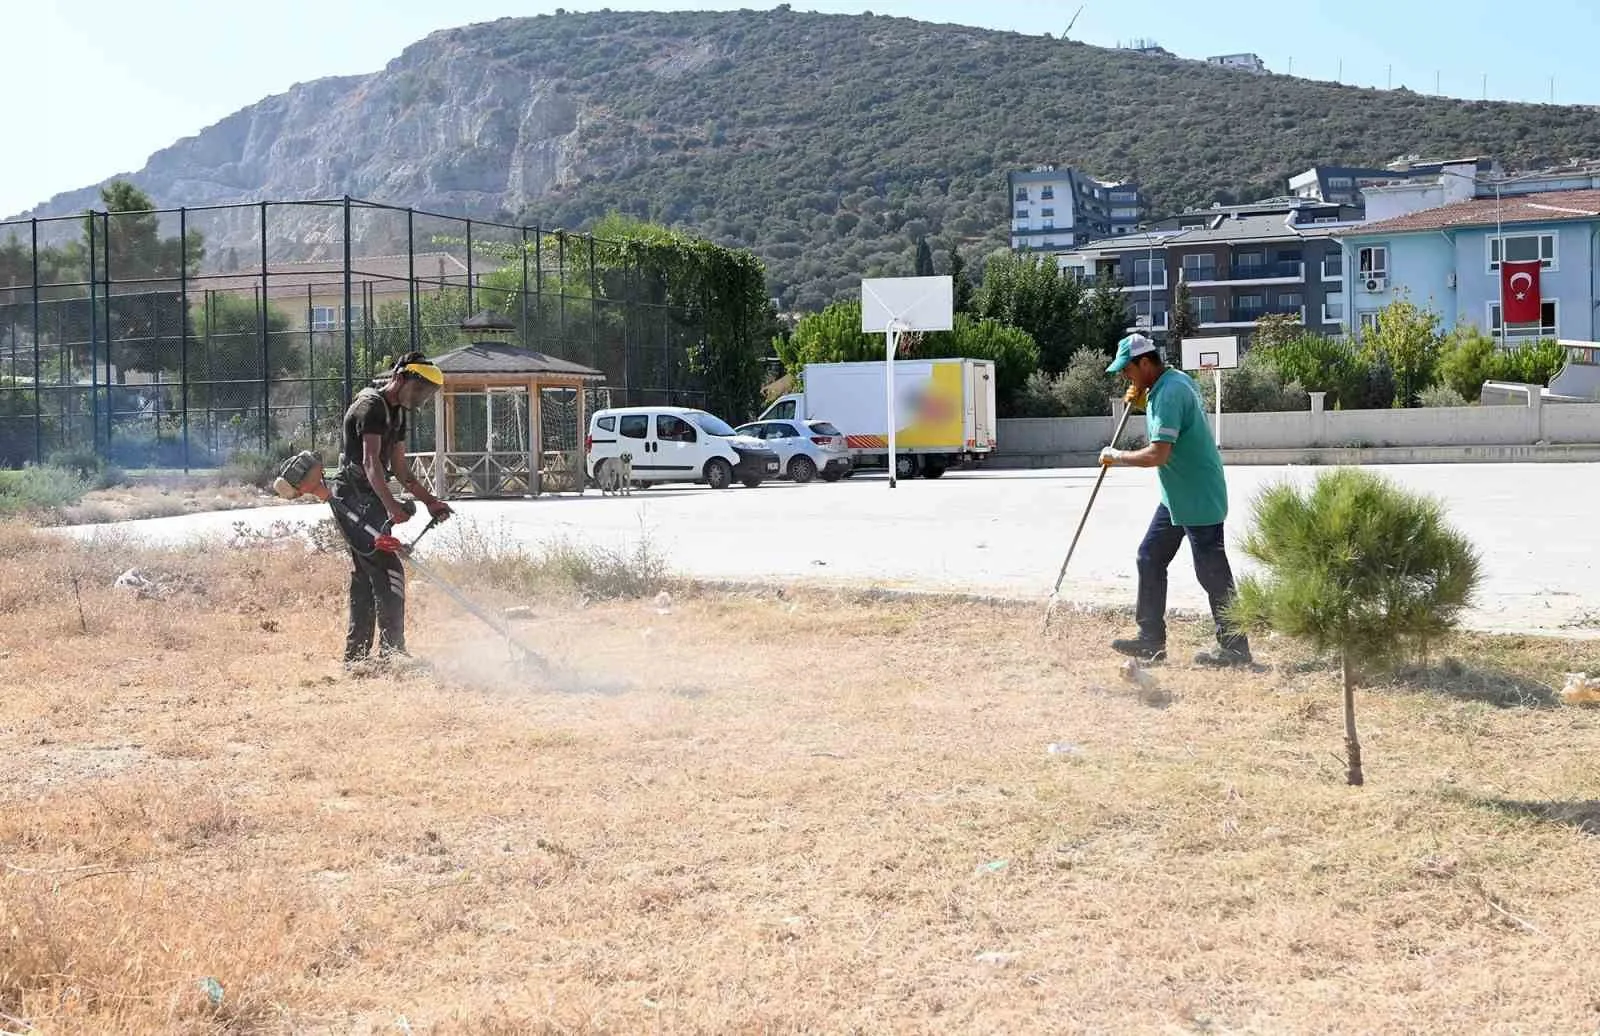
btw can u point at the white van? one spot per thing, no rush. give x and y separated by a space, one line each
675 444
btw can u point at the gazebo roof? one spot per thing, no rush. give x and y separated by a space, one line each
487 359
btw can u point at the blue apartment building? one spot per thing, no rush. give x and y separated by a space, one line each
1448 259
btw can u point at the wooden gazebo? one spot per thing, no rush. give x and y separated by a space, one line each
509 422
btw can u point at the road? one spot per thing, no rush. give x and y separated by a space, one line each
1005 532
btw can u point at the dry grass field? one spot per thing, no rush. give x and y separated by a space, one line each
757 813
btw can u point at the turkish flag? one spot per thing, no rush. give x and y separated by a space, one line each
1519 291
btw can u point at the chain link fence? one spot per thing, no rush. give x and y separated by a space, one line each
181 338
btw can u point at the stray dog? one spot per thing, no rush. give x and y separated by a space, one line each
616 476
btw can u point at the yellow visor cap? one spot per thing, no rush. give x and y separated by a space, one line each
425 371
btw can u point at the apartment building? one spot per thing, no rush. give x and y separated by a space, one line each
1346 185
1061 207
1240 263
1449 259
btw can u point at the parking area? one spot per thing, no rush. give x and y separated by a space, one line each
1004 532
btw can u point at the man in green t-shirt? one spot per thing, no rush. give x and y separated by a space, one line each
1194 501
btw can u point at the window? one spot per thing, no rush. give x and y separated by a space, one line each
1156 313
1524 248
1150 273
1022 194
1048 213
1022 213
1290 300
670 428
1199 267
1333 266
1373 261
324 318
1047 194
607 424
1546 328
784 411
824 428
1333 307
1252 259
1049 224
635 426
1369 320
354 315
1204 309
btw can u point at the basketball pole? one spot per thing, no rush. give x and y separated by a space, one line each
891 334
1216 372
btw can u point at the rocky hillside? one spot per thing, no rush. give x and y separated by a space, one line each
827 144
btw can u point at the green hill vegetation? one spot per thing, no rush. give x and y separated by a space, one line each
830 144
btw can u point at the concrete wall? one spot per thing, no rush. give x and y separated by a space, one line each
1047 442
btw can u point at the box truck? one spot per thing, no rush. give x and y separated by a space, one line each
945 412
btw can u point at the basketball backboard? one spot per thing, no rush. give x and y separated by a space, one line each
910 303
1220 353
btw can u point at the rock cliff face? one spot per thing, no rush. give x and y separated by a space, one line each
439 128
828 144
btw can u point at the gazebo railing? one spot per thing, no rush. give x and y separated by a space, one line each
503 473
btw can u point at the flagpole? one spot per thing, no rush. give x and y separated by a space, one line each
1500 244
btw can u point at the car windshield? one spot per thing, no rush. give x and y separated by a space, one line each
711 425
824 428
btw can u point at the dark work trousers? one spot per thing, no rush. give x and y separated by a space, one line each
1160 546
377 578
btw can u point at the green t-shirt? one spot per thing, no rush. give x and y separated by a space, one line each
1192 484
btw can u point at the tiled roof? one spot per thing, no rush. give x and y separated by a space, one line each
503 358
387 273
1549 207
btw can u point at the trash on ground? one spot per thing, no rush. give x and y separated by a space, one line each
1581 690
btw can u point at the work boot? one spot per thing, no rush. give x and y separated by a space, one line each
1223 657
1140 648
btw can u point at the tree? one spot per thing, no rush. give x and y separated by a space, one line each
1013 350
831 336
1466 360
226 361
1029 292
924 258
961 284
1409 338
1105 316
1355 566
1180 325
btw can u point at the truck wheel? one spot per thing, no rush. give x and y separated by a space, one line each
933 469
802 469
719 473
906 466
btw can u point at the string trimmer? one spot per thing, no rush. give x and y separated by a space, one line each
301 475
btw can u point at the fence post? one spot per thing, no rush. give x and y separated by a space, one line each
524 292
183 327
412 298
38 399
469 270
1319 417
594 312
349 332
94 335
261 322
1536 414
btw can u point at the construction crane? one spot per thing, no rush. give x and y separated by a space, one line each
1068 29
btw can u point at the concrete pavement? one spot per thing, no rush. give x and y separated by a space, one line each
1005 532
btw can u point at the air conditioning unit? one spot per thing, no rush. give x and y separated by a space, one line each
1377 284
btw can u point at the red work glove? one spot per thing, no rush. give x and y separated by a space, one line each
388 543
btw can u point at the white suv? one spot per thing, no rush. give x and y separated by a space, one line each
675 444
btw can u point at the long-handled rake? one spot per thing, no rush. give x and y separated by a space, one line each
1055 593
302 475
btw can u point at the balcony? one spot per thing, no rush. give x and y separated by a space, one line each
1333 271
1147 281
1248 317
1258 273
1144 323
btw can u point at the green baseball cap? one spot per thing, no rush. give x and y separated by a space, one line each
1131 347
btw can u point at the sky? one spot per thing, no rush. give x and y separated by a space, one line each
94 87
